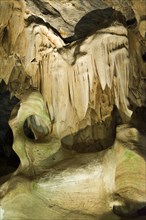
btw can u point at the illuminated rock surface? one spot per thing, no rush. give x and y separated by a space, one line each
87 124
54 183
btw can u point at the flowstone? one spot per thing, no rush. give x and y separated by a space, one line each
54 183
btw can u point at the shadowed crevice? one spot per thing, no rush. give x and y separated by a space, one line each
9 161
94 21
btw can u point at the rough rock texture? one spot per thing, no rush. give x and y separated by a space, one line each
85 81
53 183
90 68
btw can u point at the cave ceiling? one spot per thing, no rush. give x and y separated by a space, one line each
72 109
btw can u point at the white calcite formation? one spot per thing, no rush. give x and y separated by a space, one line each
79 72
82 81
73 97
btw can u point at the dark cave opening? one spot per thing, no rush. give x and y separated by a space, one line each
144 57
35 128
27 131
9 161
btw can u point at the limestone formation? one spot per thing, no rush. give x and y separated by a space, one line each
77 70
60 184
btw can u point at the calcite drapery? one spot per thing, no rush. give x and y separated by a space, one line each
61 184
86 79
32 54
95 72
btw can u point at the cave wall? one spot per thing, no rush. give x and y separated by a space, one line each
95 82
91 80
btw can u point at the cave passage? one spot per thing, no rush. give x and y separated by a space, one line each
9 161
